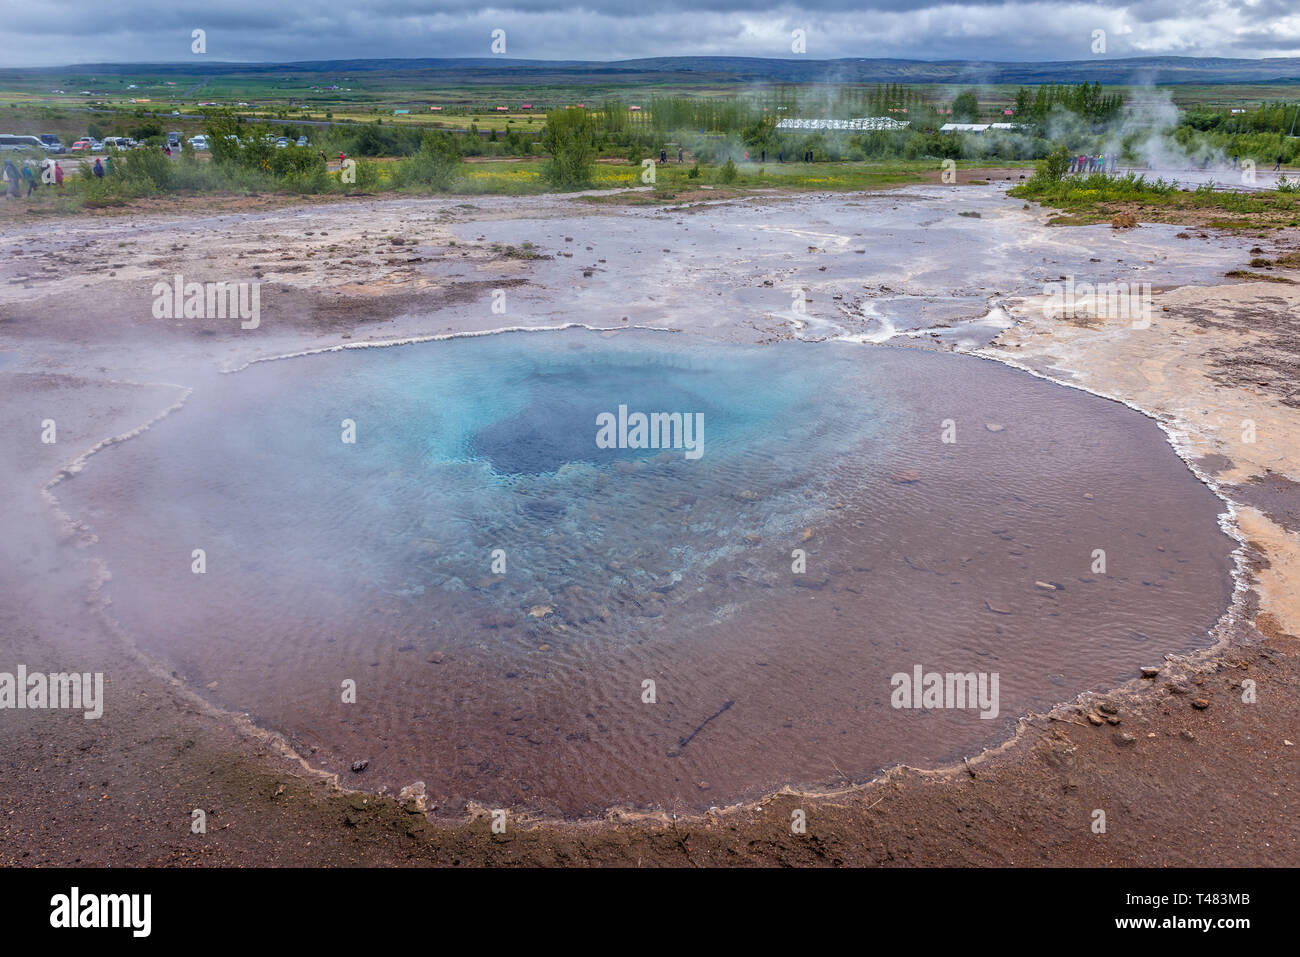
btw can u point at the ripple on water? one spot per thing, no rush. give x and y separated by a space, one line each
373 561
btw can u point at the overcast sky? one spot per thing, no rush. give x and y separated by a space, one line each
55 32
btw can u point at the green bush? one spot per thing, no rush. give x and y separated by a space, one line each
1056 165
146 169
569 138
437 165
367 175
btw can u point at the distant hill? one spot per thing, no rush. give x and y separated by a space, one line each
482 71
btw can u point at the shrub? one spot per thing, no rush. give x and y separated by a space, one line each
1056 165
436 165
147 169
367 175
569 137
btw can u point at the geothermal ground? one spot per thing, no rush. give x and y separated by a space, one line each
1189 764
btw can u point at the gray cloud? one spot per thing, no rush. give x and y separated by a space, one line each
81 31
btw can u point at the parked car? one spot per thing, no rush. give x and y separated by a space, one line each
81 146
13 142
51 143
302 141
199 141
282 142
97 146
118 143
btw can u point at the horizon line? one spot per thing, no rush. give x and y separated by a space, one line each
503 60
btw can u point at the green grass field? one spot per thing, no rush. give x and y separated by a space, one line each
354 113
370 95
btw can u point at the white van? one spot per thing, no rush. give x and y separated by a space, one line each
12 142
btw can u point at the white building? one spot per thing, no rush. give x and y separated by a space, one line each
976 127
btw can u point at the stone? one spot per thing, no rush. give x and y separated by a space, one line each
414 798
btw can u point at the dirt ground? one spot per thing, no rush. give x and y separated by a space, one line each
1194 765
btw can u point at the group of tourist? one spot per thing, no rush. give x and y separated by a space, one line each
1100 163
47 172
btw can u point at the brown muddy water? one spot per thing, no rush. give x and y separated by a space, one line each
500 589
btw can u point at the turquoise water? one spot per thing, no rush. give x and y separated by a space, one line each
500 588
492 444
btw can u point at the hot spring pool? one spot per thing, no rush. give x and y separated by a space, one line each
500 587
